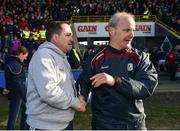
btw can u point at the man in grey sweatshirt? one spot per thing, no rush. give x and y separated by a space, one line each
51 95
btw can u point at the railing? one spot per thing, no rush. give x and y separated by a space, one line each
89 19
169 28
99 18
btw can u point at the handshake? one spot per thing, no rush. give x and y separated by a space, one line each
5 92
82 107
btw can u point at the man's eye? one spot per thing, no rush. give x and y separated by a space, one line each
69 34
128 30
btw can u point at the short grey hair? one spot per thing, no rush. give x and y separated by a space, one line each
114 20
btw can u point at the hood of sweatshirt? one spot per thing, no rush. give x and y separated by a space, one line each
53 47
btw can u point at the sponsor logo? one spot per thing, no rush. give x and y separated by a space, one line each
90 29
104 67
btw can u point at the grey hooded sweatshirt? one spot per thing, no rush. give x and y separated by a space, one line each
51 95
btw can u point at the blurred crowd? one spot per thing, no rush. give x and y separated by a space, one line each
166 61
22 22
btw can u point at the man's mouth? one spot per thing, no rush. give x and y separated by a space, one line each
128 40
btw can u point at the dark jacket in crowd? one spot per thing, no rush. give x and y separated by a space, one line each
15 78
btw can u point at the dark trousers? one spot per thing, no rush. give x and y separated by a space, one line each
14 107
172 71
106 125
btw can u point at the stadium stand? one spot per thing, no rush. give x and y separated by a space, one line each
21 17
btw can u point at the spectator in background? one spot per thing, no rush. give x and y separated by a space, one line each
33 22
87 54
42 32
74 59
16 43
89 51
37 11
1 59
120 78
153 56
178 24
5 40
23 23
16 86
25 33
51 95
61 15
6 53
31 45
7 19
172 65
2 16
1 47
34 33
161 56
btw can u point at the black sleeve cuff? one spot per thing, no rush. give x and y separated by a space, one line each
118 81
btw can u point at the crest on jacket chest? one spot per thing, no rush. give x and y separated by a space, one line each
129 66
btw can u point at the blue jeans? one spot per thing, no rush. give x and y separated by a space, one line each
14 107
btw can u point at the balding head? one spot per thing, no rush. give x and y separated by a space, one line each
117 17
121 30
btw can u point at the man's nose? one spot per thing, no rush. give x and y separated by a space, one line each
131 33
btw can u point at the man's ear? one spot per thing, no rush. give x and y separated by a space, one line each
55 38
111 31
